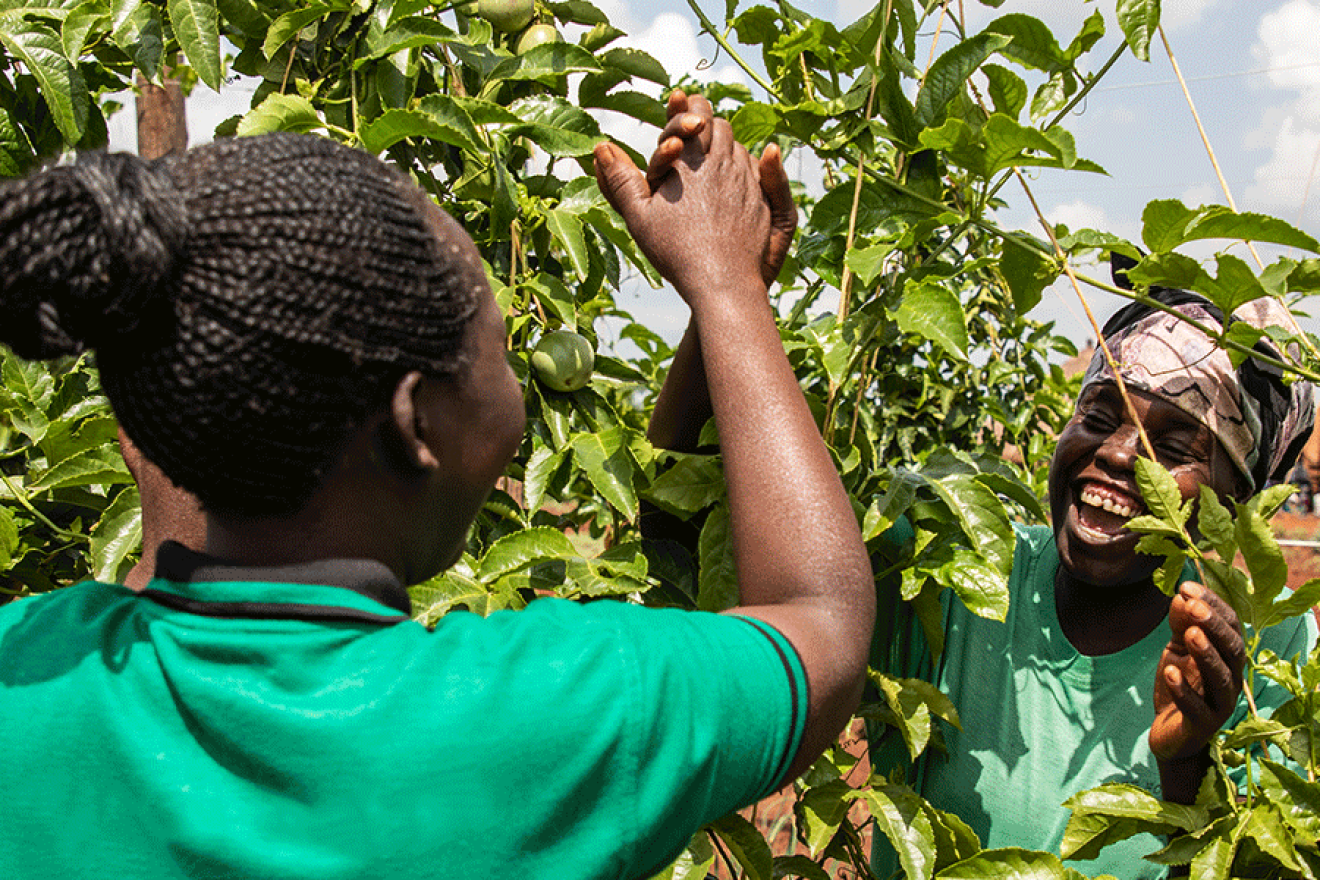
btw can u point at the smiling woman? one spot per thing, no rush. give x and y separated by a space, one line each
1096 676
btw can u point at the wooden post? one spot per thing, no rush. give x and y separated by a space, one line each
161 122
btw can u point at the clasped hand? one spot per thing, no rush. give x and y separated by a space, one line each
705 213
1199 675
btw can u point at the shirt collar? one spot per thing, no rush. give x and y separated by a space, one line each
367 577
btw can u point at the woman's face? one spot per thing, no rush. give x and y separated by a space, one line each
1093 485
479 417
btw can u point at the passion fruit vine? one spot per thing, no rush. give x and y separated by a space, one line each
563 360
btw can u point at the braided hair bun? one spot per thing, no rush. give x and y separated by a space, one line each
84 249
250 302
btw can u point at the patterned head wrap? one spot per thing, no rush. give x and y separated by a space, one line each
1261 422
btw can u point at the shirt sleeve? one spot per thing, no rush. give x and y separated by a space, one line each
721 704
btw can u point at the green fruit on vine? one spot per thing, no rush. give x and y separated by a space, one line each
507 15
536 35
563 360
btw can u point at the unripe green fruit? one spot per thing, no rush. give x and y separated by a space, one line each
563 360
507 15
535 36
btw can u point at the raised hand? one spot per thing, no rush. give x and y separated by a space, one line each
699 226
690 125
1199 675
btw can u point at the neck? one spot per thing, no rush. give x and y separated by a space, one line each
1105 620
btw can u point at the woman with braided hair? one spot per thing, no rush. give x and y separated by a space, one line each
296 336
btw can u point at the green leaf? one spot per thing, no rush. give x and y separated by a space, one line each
634 62
79 24
87 468
1269 571
1138 20
746 845
523 548
900 816
393 126
693 483
290 24
982 517
1163 223
1007 90
1027 274
1216 524
8 538
821 811
755 122
136 28
717 580
456 588
1033 44
117 534
578 12
1161 493
1299 799
913 702
1124 801
603 457
1215 862
541 466
555 125
950 71
1299 601
1010 862
1088 833
62 85
568 230
798 866
543 63
1218 221
694 863
197 28
1266 828
981 587
934 313
280 113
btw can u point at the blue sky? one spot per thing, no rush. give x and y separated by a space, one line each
1253 68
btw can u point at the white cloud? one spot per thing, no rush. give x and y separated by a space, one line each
1291 130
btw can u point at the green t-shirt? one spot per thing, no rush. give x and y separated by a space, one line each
1042 722
295 730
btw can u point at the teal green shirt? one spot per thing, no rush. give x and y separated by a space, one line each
1042 722
291 730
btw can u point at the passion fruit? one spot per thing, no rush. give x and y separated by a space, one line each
536 35
507 15
563 360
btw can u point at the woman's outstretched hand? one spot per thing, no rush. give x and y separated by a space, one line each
696 225
1199 675
691 120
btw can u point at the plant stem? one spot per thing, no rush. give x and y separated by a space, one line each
1223 184
26 503
724 44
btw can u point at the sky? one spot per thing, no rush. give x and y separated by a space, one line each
1253 69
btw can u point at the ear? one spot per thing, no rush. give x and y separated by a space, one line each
403 438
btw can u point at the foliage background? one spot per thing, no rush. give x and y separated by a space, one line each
904 309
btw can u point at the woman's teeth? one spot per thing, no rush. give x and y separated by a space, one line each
1095 499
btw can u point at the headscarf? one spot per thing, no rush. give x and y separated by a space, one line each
1261 421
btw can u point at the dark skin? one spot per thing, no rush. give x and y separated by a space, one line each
168 513
412 478
1105 595
784 493
1104 592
